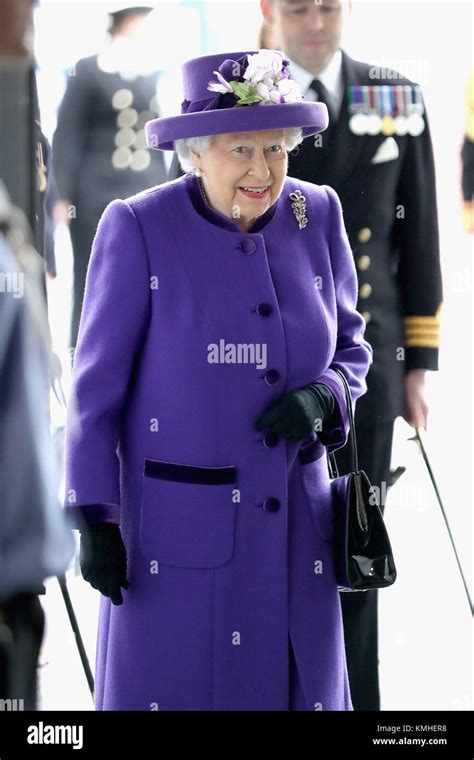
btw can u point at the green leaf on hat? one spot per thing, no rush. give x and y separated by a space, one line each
246 93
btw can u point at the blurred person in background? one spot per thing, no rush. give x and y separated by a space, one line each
99 148
34 541
377 155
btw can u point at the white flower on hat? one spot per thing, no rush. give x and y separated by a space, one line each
266 81
262 65
289 90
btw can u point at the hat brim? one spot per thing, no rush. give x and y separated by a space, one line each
311 117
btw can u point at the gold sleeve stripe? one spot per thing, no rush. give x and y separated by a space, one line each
468 216
422 331
421 321
414 329
422 343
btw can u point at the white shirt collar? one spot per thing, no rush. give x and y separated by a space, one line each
331 77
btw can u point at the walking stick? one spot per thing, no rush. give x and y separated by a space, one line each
419 438
77 633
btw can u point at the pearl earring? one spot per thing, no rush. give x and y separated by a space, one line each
198 173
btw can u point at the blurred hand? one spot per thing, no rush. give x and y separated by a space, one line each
416 407
103 559
61 212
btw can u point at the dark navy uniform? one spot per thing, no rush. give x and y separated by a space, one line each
389 204
99 153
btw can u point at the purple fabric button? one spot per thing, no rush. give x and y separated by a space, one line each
271 505
248 245
272 377
271 439
264 309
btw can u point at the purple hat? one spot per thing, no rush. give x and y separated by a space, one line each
237 92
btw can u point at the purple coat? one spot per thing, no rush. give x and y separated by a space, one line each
190 328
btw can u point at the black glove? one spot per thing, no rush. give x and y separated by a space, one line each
294 415
103 559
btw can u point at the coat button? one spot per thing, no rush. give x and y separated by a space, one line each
248 245
363 263
271 505
364 235
367 316
264 309
365 290
272 377
271 439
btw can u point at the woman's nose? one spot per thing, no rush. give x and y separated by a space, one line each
259 167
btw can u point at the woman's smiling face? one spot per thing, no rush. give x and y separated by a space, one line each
237 163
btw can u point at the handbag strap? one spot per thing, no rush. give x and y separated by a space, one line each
352 433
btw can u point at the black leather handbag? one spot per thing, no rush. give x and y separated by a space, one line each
363 555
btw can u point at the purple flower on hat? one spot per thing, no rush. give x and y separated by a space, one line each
221 86
259 78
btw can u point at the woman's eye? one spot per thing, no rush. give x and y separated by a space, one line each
240 148
278 148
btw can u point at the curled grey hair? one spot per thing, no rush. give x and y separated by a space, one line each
293 137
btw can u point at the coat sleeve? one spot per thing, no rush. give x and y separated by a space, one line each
353 354
114 319
417 241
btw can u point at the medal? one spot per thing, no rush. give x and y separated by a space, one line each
388 122
374 122
358 120
416 122
401 127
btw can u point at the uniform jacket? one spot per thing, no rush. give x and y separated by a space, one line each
391 220
228 530
99 151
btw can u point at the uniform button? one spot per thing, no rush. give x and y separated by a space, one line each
364 235
264 309
271 505
271 439
121 158
122 99
248 245
363 263
272 377
365 290
367 316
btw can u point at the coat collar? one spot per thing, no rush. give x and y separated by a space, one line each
215 217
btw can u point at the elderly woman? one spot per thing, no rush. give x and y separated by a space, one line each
204 400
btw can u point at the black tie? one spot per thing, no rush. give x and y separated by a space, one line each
323 94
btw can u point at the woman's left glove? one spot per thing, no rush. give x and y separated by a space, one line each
294 415
103 559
